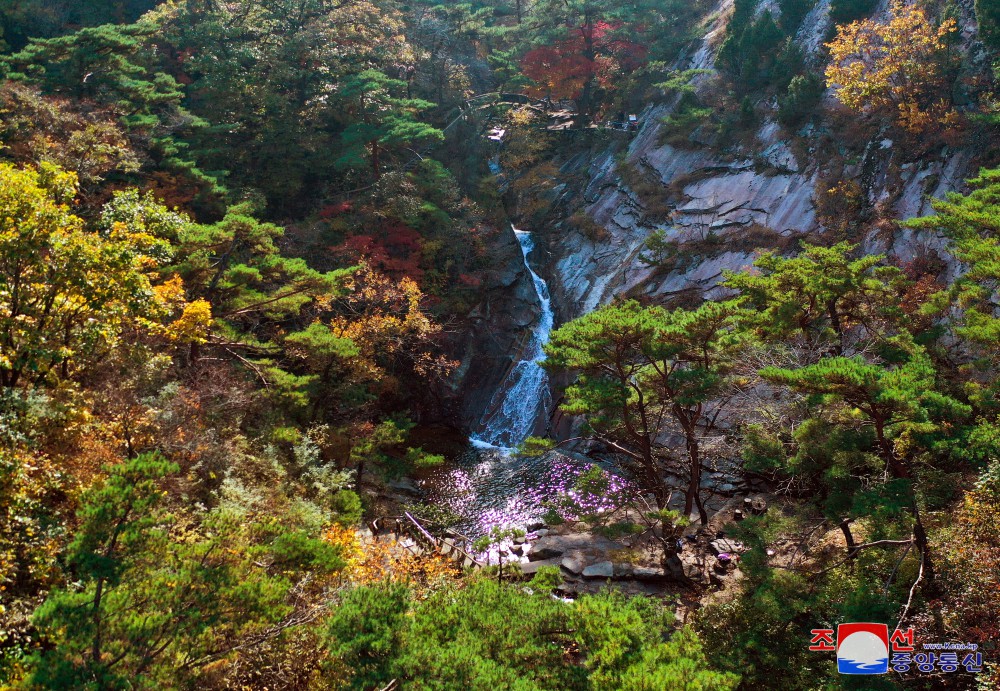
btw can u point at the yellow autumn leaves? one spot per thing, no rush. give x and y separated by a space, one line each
67 293
896 66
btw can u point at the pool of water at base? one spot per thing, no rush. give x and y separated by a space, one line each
489 486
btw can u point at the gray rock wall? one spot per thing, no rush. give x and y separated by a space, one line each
761 184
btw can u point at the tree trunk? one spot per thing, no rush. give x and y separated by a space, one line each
692 497
838 328
376 163
888 454
668 540
357 480
923 546
845 528
95 651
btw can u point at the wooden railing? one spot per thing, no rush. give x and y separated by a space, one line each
407 525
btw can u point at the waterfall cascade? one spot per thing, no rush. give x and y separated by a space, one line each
489 486
524 394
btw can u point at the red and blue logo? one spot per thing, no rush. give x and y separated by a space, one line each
862 648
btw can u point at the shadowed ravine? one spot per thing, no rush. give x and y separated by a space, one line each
523 396
489 485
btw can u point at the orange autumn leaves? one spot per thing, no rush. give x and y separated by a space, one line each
897 66
378 560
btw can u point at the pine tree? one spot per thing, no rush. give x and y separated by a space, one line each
379 120
639 368
497 635
822 299
988 18
157 599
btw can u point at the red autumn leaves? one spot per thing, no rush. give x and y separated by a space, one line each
595 52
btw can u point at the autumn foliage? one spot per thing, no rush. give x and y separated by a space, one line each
590 53
896 67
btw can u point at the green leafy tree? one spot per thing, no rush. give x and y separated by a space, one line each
115 65
750 52
66 294
154 605
378 120
822 300
988 18
444 36
972 224
793 12
804 93
498 538
904 411
496 635
873 420
99 63
366 632
845 11
375 443
236 267
641 368
21 20
267 74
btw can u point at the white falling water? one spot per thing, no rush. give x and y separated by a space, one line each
524 393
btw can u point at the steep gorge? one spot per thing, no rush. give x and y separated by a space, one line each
720 204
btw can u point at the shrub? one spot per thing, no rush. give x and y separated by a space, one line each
800 99
793 12
590 228
839 205
988 17
749 55
844 11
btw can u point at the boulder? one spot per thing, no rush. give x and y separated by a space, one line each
544 553
573 564
404 484
694 572
602 569
623 570
725 545
648 574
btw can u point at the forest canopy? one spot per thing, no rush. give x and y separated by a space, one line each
257 264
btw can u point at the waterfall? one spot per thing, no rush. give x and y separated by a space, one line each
524 393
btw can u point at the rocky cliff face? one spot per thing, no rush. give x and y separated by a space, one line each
723 204
498 329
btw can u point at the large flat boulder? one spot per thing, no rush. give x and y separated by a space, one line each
726 545
544 553
602 569
648 574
